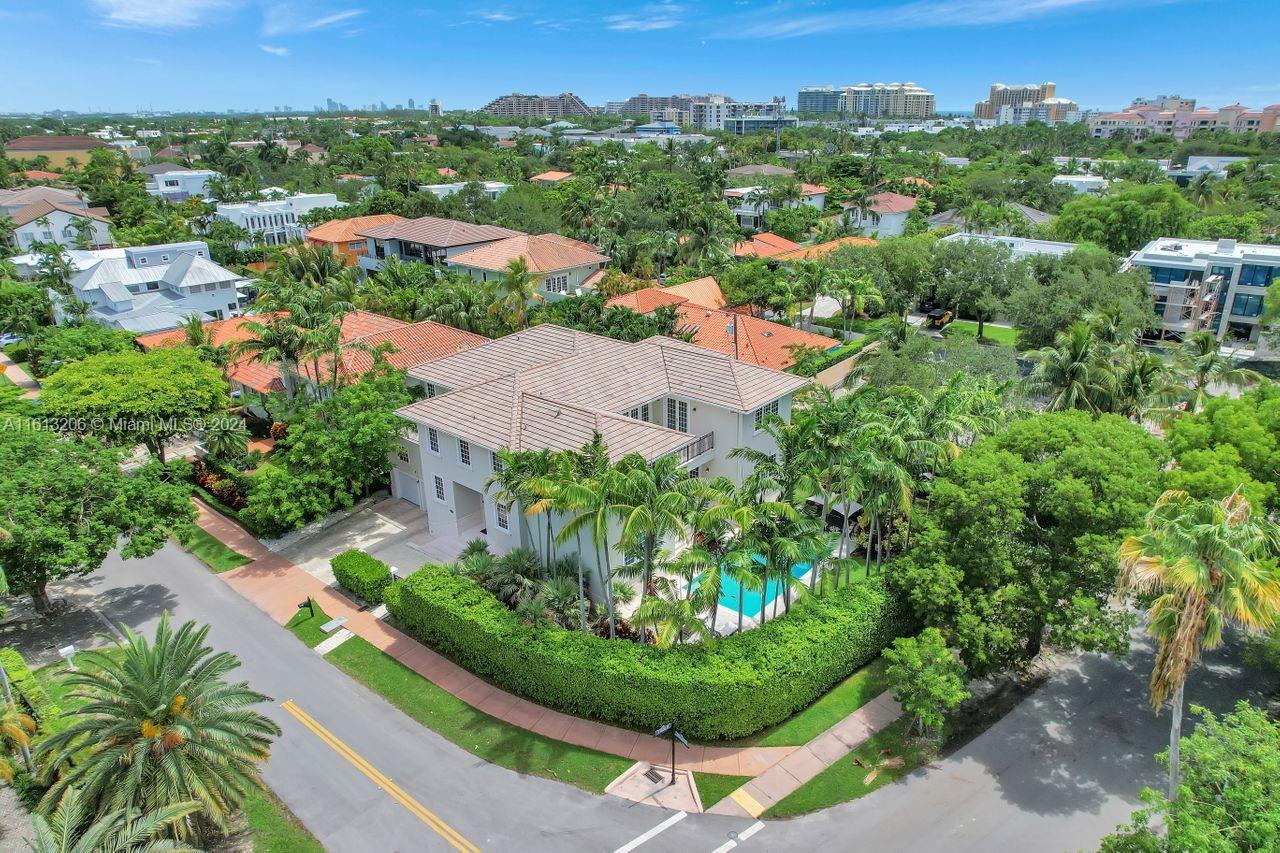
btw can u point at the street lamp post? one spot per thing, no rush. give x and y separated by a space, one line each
675 736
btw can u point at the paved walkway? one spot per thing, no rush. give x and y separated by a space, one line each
19 377
276 586
764 791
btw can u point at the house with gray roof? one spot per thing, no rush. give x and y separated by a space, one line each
154 288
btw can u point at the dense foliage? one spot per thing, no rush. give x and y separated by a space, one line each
1233 443
361 574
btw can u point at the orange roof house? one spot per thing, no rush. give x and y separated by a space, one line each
701 311
38 175
763 245
810 253
543 253
446 172
911 180
340 234
550 179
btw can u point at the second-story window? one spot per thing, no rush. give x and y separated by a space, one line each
496 461
433 440
464 452
640 413
677 414
766 409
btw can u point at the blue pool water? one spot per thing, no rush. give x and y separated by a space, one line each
752 599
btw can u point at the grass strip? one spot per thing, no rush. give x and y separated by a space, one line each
212 552
842 700
714 787
274 829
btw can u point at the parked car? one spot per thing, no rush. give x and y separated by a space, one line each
8 340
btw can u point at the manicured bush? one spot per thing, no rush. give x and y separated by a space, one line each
44 710
727 689
361 574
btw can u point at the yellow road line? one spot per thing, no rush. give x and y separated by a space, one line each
397 793
748 802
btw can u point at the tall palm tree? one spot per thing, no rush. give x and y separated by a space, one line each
278 341
511 295
656 499
1203 189
1202 365
676 608
591 499
16 731
226 438
1072 373
1209 563
160 725
857 293
72 828
1144 383
816 278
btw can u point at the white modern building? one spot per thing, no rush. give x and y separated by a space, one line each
181 184
153 288
490 189
52 222
274 221
1020 247
750 204
551 388
1219 286
885 216
1082 184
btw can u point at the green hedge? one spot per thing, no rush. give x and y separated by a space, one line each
46 712
731 688
361 574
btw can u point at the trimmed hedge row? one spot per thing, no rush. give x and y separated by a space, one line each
44 710
361 574
728 689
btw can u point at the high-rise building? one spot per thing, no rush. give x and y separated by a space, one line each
820 99
537 106
883 100
411 104
1030 95
1165 102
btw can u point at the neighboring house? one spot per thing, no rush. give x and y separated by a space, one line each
446 172
361 331
55 222
40 175
758 169
820 250
11 201
551 388
181 184
58 149
427 239
1200 165
550 179
955 217
341 236
1021 247
750 205
763 245
490 189
1206 285
563 265
274 221
1082 184
700 311
886 214
153 288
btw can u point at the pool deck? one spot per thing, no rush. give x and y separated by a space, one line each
727 617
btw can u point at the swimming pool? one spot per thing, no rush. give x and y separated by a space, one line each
752 599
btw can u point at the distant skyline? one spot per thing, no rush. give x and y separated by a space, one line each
216 55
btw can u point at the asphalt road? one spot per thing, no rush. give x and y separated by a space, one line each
1056 774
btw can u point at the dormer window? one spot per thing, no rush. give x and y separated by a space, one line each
142 262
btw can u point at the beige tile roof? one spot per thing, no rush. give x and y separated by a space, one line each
552 387
35 210
433 231
543 253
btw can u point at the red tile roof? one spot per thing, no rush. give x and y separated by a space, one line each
53 143
764 245
808 253
446 172
414 344
892 203
442 233
543 253
44 207
552 177
344 230
814 189
760 342
919 182
37 175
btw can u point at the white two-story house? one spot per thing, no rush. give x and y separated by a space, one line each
274 221
181 184
554 388
565 267
750 204
427 239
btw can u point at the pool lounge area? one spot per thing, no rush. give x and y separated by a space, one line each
753 601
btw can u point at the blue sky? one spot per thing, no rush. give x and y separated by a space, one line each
220 54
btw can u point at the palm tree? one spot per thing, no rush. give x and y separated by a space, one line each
511 295
1144 383
1209 563
1200 363
16 731
278 341
857 293
655 500
676 608
817 279
1071 373
708 235
1203 189
160 725
226 438
592 501
72 828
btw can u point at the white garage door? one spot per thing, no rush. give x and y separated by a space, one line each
406 487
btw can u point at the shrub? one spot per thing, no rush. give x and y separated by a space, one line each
727 689
44 710
361 574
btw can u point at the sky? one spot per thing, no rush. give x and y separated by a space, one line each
126 55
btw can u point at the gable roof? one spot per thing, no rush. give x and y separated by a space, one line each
433 231
552 177
551 387
702 291
24 196
34 211
344 230
808 253
543 253
53 142
888 202
763 245
758 341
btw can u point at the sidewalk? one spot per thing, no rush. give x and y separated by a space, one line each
19 377
276 586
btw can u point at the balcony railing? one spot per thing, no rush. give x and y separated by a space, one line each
700 445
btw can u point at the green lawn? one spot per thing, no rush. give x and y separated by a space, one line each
211 552
844 780
273 827
714 787
1002 335
478 733
842 700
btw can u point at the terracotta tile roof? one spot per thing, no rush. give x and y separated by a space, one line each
808 253
919 182
505 143
446 172
543 253
344 230
760 342
53 143
891 203
814 189
433 231
552 177
414 343
701 291
37 175
646 300
24 196
763 245
44 207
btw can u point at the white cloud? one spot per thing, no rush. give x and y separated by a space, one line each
275 50
290 20
918 14
162 14
656 16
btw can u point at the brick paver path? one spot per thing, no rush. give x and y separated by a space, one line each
30 387
276 586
